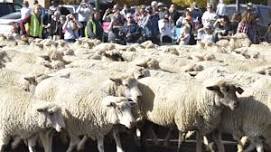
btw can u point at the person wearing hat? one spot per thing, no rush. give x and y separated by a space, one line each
94 28
209 16
84 11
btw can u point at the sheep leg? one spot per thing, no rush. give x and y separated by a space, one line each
73 142
117 140
241 143
180 140
100 143
82 143
3 142
256 143
32 141
46 138
154 136
218 141
16 142
168 137
199 138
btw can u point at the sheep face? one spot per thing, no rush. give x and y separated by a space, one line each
226 94
127 87
119 110
53 117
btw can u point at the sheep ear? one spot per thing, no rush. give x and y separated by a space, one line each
42 110
45 57
31 80
216 89
239 90
118 81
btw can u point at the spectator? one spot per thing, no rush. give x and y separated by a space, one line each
131 30
53 8
84 11
161 10
205 35
150 26
35 23
173 13
55 26
117 21
126 9
196 11
25 11
94 28
268 34
186 31
181 19
236 19
154 6
223 28
248 26
208 16
166 27
71 28
220 9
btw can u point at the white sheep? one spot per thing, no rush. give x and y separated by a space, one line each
24 116
187 104
251 119
91 110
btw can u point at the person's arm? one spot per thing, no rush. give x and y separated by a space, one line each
23 22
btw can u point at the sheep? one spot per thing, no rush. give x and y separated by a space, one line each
24 116
89 107
251 119
189 105
17 79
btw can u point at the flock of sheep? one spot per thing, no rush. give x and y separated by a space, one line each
88 89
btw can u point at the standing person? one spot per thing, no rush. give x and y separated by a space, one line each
173 13
94 28
131 30
84 11
220 8
35 23
235 20
248 26
223 28
117 21
71 28
55 26
25 11
53 8
209 16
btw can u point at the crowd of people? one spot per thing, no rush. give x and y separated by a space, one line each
126 24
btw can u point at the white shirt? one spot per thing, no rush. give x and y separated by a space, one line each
69 33
220 9
25 12
165 29
83 13
208 17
